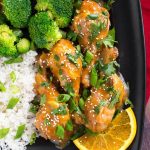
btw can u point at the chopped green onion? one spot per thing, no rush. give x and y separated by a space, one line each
61 110
3 132
98 107
60 71
14 89
81 103
69 126
93 77
63 98
13 76
45 84
33 109
128 102
69 88
88 57
2 87
33 138
85 93
72 36
12 103
46 122
92 16
72 106
43 99
56 57
60 132
72 59
14 60
114 100
20 131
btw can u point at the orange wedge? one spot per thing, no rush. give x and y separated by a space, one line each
118 136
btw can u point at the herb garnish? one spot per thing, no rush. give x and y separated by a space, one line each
44 84
13 76
95 28
108 4
72 59
60 131
33 138
20 131
114 100
63 98
92 16
69 88
88 57
72 36
69 125
61 110
2 87
12 103
98 107
56 57
93 77
14 60
128 102
43 99
3 132
46 122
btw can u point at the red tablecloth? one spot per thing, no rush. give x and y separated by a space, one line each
146 18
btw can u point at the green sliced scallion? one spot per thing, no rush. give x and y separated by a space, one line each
81 103
20 131
13 76
60 132
88 57
69 126
2 87
33 138
3 132
63 98
93 77
12 103
92 16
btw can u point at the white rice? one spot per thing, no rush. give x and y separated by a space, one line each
12 118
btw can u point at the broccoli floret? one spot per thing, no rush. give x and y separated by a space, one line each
7 42
17 12
61 10
23 45
44 32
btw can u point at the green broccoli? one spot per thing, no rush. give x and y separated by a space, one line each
7 42
44 32
23 45
61 10
17 12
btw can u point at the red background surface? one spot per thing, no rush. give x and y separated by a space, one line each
146 19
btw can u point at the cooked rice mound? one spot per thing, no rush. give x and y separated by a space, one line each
22 88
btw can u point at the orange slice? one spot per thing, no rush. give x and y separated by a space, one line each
118 136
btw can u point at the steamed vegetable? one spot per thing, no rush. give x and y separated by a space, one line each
23 46
44 32
17 12
61 10
7 42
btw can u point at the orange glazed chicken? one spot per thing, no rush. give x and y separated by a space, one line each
53 118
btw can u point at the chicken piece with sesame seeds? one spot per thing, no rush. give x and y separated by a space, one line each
100 106
52 117
91 24
64 61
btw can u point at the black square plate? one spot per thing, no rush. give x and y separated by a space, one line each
126 16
